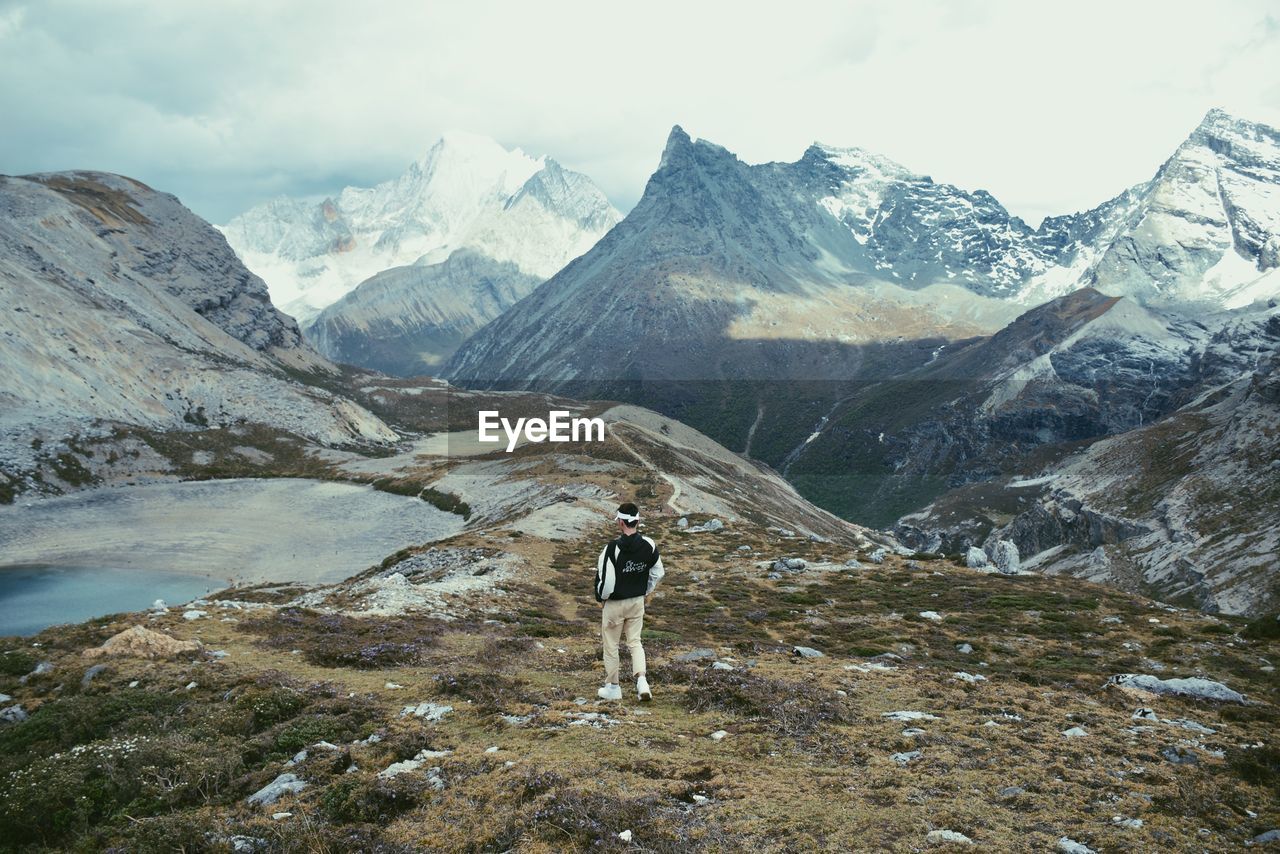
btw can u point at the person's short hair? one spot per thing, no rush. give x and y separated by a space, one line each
629 513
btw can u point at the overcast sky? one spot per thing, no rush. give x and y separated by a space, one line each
228 103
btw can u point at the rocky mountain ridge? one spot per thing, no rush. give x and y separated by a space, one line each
123 307
714 243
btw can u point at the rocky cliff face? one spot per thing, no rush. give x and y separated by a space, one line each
1181 507
121 306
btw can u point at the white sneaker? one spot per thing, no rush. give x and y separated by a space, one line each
642 689
609 692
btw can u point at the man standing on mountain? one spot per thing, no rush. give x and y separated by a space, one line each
627 571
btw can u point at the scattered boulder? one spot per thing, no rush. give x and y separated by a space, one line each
624 835
877 556
13 715
683 523
1179 755
1195 687
790 564
1067 845
4 698
1075 732
696 655
971 678
41 669
722 665
1004 556
1191 725
397 768
194 614
1011 791
964 648
909 716
907 757
931 615
708 527
853 563
139 642
91 674
426 711
285 784
1269 836
941 837
718 735
807 652
976 558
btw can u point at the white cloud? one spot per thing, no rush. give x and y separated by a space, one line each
1051 109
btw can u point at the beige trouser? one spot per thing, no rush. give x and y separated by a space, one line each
625 616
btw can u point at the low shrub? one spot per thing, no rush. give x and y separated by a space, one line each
336 640
69 792
784 708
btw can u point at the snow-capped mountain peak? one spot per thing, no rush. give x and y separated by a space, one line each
1204 230
465 192
869 164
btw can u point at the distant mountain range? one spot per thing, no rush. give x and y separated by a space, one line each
847 246
394 277
1096 391
857 325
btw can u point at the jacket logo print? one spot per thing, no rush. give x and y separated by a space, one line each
634 566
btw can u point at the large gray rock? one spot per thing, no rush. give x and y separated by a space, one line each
1004 556
943 837
976 558
285 784
1195 686
13 715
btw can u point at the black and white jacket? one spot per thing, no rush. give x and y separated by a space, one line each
628 567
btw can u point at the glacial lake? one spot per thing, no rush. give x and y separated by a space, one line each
191 538
36 597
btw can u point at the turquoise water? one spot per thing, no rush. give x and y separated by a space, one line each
36 596
101 551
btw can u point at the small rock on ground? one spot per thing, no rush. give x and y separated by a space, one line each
939 837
